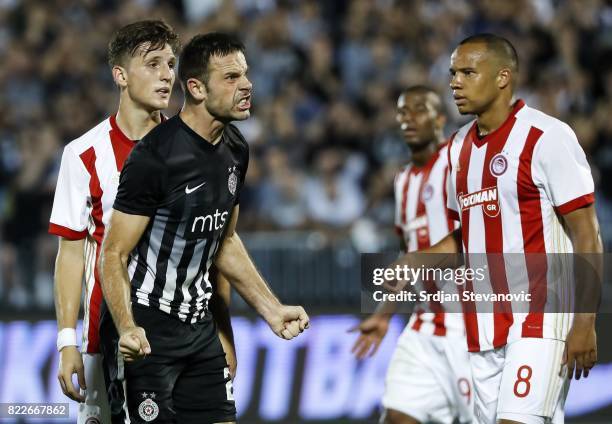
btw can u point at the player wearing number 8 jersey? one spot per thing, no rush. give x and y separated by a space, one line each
519 183
539 200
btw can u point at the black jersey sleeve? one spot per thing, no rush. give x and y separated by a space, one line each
142 181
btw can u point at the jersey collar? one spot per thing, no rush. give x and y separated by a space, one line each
120 135
480 141
197 139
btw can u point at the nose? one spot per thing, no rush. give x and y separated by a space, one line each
455 81
166 73
405 118
246 85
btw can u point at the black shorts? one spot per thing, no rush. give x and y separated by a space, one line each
184 380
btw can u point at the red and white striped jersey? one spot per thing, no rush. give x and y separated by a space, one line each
421 221
84 195
509 190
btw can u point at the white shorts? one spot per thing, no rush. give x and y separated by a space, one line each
95 409
429 378
520 382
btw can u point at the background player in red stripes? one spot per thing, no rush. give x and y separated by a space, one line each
539 200
142 60
428 379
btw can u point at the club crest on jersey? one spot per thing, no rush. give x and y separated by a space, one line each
232 181
148 409
487 198
498 165
93 420
427 193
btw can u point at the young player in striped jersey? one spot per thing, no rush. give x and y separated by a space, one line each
428 379
519 183
142 58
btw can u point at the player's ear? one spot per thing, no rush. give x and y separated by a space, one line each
120 76
197 89
504 77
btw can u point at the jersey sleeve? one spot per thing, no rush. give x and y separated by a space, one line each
142 182
71 203
452 207
560 166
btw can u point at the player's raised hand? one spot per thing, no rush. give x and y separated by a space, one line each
71 362
580 353
288 322
133 344
372 332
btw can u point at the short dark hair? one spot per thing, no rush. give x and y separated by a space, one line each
425 89
129 38
194 59
502 48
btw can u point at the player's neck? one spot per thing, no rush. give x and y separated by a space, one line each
136 122
494 116
421 156
203 123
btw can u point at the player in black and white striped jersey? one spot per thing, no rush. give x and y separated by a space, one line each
175 216
188 188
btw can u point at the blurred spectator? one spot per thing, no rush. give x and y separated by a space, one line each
24 252
283 201
333 196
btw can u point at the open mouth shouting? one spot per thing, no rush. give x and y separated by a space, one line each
244 103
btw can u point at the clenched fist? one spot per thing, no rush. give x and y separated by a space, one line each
133 344
288 322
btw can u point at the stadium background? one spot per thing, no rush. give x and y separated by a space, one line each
324 150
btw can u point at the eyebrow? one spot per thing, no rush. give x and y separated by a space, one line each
466 68
235 71
155 54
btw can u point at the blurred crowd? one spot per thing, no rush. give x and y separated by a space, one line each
324 140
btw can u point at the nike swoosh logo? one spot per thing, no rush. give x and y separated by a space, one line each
191 190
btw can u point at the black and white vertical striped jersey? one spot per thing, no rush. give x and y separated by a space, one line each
188 187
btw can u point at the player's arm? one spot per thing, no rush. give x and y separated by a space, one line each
444 254
219 306
123 233
69 267
69 219
581 343
374 328
560 166
234 262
